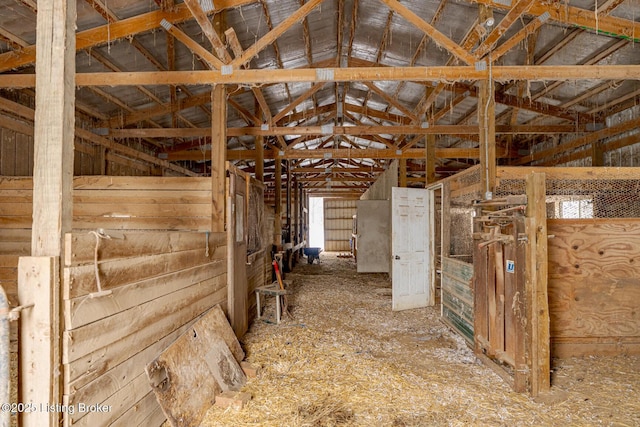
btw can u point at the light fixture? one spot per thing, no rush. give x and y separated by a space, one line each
489 22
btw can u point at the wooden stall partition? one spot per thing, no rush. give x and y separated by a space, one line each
142 203
511 315
15 242
594 286
457 297
249 246
128 295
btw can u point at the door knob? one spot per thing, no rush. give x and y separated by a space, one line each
397 257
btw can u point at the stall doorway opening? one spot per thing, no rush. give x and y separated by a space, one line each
316 222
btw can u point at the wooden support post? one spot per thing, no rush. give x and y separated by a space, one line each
259 143
430 156
446 219
402 173
277 238
597 154
218 156
39 275
487 133
536 285
40 336
288 199
295 233
100 160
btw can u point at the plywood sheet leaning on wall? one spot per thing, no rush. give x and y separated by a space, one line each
594 286
205 358
155 286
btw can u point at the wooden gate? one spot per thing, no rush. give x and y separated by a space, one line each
511 317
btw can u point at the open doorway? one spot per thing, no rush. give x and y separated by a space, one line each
316 222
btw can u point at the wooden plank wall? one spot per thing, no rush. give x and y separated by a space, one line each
338 224
160 282
122 203
256 265
594 286
457 296
14 243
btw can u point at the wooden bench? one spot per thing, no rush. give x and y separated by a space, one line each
272 290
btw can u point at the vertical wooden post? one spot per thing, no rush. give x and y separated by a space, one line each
487 124
39 275
402 172
277 238
446 219
597 154
259 147
536 284
218 156
288 199
430 158
295 233
100 160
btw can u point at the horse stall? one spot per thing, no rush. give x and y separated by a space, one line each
140 266
542 271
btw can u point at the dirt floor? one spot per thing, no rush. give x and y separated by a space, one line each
345 359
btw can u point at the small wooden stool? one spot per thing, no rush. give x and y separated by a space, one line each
272 290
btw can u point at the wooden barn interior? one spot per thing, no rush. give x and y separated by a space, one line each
157 156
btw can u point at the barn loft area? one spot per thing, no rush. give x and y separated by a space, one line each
157 157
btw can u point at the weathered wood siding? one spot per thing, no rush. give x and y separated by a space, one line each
338 224
160 282
594 286
122 203
163 268
457 296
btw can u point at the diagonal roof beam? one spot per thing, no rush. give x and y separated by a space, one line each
315 88
578 17
207 28
391 101
115 31
272 35
516 11
274 45
430 30
257 92
529 29
192 45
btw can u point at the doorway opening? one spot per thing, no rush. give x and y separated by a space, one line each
316 222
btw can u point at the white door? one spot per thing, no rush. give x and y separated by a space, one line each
410 249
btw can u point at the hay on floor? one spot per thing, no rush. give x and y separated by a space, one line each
345 359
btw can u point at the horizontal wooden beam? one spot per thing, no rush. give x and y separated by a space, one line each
444 74
569 173
341 169
339 153
332 178
339 130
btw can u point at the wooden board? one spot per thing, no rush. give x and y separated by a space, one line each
119 202
594 286
199 360
457 297
81 341
84 310
81 280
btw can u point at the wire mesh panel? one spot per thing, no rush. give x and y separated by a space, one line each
584 198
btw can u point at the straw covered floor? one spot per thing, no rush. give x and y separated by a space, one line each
345 359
